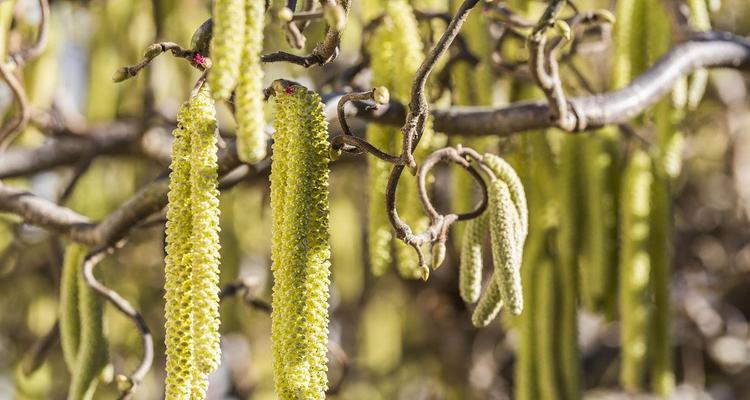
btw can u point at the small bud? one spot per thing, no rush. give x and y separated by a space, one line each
423 272
563 28
285 14
335 16
153 51
606 16
201 39
335 153
381 95
121 74
124 384
438 254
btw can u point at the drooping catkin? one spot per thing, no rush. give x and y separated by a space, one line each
226 46
489 304
192 260
204 236
91 356
470 270
635 268
568 233
70 319
505 225
251 140
545 301
506 173
700 21
300 250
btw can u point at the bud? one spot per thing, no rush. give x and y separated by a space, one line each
381 95
438 254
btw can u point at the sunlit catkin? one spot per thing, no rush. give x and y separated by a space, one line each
635 268
251 140
192 261
300 251
226 46
489 304
91 355
470 270
505 225
204 236
507 174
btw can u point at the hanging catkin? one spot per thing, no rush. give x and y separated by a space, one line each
226 46
204 235
700 21
251 140
300 250
192 261
470 270
635 268
81 328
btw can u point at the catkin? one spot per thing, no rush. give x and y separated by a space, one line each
204 236
489 304
192 261
300 250
470 270
506 251
70 319
226 46
635 268
507 174
251 140
91 356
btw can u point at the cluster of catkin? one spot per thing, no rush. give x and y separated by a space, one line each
81 328
192 260
300 250
507 221
236 45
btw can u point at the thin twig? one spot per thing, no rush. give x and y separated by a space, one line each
23 56
20 121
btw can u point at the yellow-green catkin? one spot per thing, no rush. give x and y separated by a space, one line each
635 268
204 236
490 302
396 53
91 355
506 251
226 46
251 139
567 238
70 319
471 264
192 261
544 303
666 165
300 251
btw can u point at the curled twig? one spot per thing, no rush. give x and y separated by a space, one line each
20 121
350 143
126 384
21 57
327 50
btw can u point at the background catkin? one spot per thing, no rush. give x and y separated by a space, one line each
635 266
251 139
70 319
301 252
192 261
226 46
91 355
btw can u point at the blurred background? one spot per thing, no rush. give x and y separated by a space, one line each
391 338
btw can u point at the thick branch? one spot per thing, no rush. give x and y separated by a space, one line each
711 50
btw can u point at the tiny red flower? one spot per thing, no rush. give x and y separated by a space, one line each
199 59
289 89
